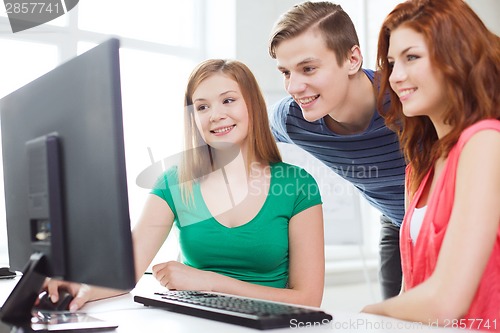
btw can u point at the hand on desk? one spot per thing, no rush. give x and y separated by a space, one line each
177 276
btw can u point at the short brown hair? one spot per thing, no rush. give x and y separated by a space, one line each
328 18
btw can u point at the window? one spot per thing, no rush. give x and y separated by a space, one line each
164 22
160 44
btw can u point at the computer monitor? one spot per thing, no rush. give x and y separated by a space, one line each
65 179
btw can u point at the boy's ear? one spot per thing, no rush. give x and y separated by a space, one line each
355 60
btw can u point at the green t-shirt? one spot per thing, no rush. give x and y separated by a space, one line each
255 252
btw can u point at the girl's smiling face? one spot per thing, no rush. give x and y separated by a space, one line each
419 85
221 113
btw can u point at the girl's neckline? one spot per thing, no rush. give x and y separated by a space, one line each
250 221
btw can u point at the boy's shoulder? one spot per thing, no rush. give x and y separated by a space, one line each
283 104
370 73
284 107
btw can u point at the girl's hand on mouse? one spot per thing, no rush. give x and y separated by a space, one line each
81 292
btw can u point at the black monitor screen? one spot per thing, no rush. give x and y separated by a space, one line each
64 172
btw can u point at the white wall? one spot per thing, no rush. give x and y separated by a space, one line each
489 11
254 22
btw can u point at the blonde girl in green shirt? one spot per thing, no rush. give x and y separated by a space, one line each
249 224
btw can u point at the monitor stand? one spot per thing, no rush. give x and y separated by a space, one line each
17 313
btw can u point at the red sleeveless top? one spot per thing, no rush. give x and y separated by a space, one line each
419 260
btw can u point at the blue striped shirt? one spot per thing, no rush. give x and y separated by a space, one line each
372 161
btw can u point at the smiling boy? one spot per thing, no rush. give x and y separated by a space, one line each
331 113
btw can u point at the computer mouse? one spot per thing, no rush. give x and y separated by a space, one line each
6 273
46 304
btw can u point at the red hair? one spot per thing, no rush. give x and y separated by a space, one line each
466 54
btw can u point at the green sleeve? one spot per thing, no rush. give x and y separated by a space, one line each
308 193
164 186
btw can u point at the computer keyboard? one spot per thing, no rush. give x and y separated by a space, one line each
237 310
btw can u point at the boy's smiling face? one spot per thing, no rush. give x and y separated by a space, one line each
312 75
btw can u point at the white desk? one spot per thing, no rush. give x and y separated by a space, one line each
134 317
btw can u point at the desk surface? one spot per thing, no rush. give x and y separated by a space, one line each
134 317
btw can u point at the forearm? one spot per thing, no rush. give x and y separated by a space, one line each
405 306
224 284
82 293
97 293
420 304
